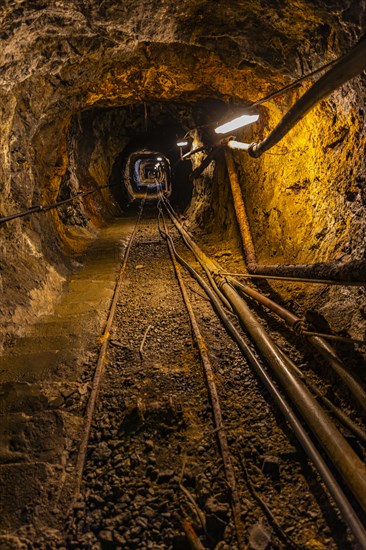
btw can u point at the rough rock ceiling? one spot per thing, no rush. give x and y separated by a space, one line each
62 57
119 52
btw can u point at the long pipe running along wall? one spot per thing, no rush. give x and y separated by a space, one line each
345 69
306 442
347 377
319 343
352 469
349 66
353 271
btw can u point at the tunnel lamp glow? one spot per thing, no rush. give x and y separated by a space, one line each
182 143
238 145
236 123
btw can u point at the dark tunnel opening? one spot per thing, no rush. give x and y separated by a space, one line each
148 173
102 140
159 144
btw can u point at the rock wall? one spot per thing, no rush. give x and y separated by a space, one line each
306 197
62 58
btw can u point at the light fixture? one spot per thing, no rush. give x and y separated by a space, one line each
159 158
182 143
236 123
238 145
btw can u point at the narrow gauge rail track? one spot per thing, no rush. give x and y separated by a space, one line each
149 471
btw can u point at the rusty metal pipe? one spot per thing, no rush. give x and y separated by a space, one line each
349 379
347 511
353 271
342 455
295 279
291 319
342 417
240 211
321 345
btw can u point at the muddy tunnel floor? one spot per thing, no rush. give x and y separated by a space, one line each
153 459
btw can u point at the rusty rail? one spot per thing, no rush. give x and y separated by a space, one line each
99 371
214 397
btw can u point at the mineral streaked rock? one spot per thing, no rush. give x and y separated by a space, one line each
305 198
61 57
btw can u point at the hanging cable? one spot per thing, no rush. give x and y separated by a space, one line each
46 207
279 92
294 84
349 66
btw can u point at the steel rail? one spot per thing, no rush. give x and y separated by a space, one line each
290 544
212 390
352 469
99 371
349 516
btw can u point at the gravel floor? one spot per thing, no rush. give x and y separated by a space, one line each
153 457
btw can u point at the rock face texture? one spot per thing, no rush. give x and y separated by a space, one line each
67 65
84 84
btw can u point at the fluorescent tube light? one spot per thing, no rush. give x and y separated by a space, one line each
243 120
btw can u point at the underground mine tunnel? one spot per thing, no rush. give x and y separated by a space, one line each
182 274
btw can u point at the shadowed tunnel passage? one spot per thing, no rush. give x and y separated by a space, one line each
98 206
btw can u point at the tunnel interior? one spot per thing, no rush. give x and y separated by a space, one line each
95 98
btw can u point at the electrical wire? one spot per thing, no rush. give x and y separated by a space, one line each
335 337
294 84
46 207
276 93
294 279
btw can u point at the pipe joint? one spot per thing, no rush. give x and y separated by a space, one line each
219 279
254 150
299 326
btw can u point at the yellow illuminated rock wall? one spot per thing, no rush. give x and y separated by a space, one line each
62 58
305 197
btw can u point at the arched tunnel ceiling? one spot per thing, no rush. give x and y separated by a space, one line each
85 54
59 58
66 63
86 84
